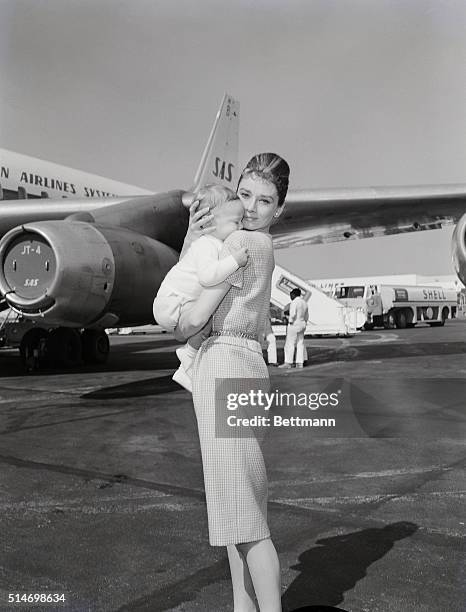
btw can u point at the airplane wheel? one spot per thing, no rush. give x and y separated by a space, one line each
64 347
32 348
96 346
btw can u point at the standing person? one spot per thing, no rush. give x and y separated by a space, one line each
234 472
297 321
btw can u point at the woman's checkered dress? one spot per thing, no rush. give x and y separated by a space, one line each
234 471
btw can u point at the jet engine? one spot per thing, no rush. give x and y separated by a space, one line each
77 274
458 249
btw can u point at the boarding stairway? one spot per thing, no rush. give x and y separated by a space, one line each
327 316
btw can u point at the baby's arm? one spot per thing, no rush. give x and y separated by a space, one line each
211 270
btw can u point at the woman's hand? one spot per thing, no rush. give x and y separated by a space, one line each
199 225
199 221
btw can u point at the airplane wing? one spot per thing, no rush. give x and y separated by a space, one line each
330 215
310 216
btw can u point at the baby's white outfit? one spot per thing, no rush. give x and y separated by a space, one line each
199 268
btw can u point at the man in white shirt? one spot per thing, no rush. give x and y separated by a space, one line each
297 321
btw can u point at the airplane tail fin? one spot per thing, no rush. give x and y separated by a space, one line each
219 162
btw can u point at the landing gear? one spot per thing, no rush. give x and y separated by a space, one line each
96 346
33 349
64 347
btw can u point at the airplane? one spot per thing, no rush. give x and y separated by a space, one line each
77 265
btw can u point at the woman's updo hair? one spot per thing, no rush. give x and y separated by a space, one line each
270 167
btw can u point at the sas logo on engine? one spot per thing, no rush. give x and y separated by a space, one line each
223 170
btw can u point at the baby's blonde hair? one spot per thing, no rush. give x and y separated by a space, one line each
214 195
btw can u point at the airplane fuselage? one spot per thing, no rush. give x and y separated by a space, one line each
22 176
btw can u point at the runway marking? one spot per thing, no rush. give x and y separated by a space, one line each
69 503
327 364
78 406
114 505
401 471
305 502
381 474
365 499
382 338
31 390
78 390
95 475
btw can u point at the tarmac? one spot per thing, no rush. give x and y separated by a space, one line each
102 489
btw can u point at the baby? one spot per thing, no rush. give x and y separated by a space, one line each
200 267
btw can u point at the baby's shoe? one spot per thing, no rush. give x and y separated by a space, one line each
183 379
186 354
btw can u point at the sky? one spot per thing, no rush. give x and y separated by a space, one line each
353 93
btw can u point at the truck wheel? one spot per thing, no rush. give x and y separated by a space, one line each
96 346
442 322
64 347
32 348
444 315
401 319
368 326
389 321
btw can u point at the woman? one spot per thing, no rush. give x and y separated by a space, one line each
234 471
